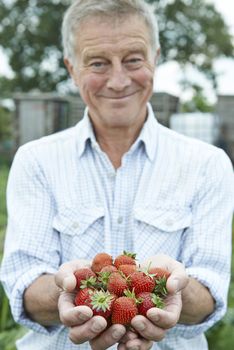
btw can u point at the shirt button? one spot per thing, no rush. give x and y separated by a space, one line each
95 146
111 176
169 222
75 225
120 220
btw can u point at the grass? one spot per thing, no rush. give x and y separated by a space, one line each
3 218
220 337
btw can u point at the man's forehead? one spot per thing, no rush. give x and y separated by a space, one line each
129 32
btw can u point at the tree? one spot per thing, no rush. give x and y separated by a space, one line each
198 102
191 32
5 124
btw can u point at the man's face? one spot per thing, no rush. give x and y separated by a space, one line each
114 70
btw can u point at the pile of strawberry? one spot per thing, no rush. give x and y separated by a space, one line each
118 289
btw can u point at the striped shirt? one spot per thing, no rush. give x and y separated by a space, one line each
172 195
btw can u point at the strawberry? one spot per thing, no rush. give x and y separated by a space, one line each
109 268
100 260
125 259
127 270
141 282
85 277
117 283
148 300
100 301
83 297
124 309
160 276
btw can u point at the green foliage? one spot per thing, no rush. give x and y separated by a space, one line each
189 35
3 215
198 103
5 124
30 35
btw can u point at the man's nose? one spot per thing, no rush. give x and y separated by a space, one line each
118 78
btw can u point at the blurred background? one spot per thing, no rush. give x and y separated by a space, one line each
193 94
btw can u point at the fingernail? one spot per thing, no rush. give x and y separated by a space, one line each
84 317
96 327
68 282
118 333
174 284
139 326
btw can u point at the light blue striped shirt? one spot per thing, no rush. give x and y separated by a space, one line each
171 195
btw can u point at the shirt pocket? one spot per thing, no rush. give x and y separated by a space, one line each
80 229
160 229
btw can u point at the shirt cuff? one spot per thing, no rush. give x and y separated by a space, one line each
209 280
16 300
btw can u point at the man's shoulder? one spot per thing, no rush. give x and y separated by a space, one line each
51 141
183 145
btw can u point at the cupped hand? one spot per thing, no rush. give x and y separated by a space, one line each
83 326
158 321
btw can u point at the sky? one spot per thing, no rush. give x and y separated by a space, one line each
168 75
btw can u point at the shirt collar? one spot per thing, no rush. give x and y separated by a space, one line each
85 133
148 134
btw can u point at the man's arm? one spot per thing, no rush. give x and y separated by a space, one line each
41 301
49 300
197 303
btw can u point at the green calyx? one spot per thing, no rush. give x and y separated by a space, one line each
101 300
160 286
88 283
103 279
131 294
157 301
131 255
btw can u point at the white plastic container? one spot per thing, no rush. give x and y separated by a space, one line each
203 126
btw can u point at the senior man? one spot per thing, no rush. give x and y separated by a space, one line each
117 181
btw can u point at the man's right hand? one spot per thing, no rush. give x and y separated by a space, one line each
82 325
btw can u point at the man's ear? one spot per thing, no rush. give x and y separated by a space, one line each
71 70
69 66
156 58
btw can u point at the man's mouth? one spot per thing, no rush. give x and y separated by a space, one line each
118 97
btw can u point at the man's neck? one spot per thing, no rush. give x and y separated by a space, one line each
115 143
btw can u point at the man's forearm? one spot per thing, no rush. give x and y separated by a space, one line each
41 301
197 303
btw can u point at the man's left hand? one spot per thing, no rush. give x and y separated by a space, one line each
153 328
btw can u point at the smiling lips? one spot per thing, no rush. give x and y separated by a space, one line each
119 97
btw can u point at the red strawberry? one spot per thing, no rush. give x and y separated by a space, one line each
124 309
117 283
127 270
160 276
125 259
141 282
109 268
100 260
100 301
85 277
83 297
148 300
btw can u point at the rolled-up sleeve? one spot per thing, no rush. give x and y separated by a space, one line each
31 245
207 244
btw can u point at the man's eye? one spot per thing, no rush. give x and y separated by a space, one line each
134 60
134 63
97 64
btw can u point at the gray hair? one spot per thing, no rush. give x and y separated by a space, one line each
81 9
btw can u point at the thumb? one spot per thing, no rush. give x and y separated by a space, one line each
65 278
